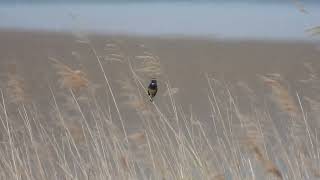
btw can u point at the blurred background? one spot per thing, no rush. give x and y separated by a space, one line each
226 19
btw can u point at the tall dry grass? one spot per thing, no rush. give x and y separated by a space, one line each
277 138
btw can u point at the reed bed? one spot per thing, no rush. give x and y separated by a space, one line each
80 139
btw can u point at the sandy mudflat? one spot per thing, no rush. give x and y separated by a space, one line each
183 61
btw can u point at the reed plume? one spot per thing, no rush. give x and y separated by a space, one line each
69 78
149 64
15 88
269 166
281 94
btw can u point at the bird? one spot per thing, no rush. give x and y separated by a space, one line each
152 89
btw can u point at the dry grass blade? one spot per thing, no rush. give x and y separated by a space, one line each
132 98
124 162
171 91
69 78
76 131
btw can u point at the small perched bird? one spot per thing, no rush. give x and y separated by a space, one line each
152 89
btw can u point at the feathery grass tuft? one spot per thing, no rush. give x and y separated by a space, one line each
15 85
281 94
69 78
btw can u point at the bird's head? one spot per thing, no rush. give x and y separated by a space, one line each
153 81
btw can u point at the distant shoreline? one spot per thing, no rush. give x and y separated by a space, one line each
316 41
